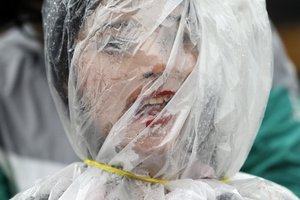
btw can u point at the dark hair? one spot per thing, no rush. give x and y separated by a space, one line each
62 21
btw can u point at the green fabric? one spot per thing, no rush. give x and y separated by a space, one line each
275 154
5 192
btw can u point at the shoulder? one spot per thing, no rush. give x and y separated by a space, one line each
16 42
18 51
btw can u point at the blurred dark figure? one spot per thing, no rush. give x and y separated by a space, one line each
32 141
284 11
286 16
16 12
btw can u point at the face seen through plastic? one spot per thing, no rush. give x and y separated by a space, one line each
113 76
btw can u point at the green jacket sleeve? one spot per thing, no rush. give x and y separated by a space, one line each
275 154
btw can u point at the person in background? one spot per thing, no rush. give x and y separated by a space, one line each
275 154
5 189
32 139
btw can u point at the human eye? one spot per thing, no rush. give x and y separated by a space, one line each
156 70
148 74
113 44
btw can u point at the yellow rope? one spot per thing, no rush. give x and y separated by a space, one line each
122 172
129 174
225 180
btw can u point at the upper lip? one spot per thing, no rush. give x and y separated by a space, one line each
153 104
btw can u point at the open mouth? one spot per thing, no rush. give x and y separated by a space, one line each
151 106
146 116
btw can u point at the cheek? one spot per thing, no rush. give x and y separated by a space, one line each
94 82
190 62
174 82
90 76
110 86
180 72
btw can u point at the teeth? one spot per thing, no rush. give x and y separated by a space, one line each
167 98
157 100
152 101
146 102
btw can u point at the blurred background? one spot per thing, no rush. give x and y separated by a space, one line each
33 143
32 140
285 14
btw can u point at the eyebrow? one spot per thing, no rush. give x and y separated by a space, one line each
117 40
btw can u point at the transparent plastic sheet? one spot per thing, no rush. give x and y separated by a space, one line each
79 182
253 187
138 92
278 137
170 89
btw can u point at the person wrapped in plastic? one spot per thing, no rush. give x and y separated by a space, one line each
161 99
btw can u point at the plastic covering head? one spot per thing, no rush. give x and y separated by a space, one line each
162 88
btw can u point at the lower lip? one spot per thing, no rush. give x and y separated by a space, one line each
161 121
163 93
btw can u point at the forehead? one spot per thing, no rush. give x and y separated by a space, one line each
123 34
129 23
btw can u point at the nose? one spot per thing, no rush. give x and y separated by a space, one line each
158 68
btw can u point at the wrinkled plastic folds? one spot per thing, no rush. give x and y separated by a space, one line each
78 182
169 89
182 84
